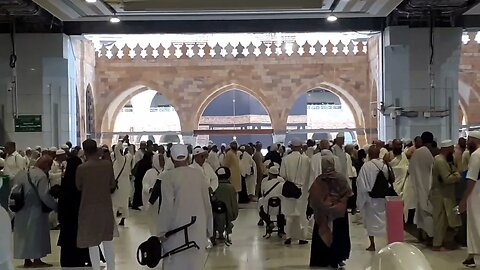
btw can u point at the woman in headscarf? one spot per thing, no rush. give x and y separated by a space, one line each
68 207
328 199
140 170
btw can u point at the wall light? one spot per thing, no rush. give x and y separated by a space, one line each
332 18
114 19
91 1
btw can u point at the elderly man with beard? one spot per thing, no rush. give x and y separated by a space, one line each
442 197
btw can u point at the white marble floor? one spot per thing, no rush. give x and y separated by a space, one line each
250 251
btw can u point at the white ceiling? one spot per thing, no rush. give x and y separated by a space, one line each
79 10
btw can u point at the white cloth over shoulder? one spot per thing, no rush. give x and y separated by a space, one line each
420 169
296 168
473 203
185 194
210 177
403 184
122 168
374 215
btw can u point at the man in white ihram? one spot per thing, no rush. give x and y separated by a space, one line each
184 194
420 169
296 168
471 199
199 162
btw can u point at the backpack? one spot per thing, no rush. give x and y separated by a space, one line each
16 199
383 186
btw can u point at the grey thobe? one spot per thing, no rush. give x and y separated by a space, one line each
32 232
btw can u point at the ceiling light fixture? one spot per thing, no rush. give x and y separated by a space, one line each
91 1
332 18
114 19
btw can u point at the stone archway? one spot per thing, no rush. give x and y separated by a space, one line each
114 106
230 87
346 95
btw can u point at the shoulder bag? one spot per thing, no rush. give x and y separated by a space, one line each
45 208
290 189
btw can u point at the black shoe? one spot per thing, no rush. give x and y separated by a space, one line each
302 242
122 222
136 208
260 223
288 241
470 263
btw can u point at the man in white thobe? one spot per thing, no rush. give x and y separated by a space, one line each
296 169
248 169
420 168
372 209
471 199
139 154
14 162
6 254
122 168
199 162
339 152
58 168
221 154
184 195
402 185
213 159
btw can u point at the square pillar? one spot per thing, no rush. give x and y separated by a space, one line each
408 84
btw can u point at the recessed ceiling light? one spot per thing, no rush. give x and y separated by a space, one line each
332 18
91 1
32 69
114 19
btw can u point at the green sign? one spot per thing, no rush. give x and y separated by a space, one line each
28 123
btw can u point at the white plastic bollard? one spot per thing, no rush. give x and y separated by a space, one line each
399 256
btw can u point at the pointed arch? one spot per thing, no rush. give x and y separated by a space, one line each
227 88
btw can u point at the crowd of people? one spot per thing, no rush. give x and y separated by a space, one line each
304 190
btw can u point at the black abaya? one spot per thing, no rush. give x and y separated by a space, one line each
323 256
141 169
68 207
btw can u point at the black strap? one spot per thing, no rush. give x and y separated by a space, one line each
121 171
271 189
34 187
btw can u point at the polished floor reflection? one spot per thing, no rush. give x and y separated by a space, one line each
250 251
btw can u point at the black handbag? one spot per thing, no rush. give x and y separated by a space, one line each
16 200
290 190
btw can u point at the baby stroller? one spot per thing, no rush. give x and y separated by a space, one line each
220 223
274 208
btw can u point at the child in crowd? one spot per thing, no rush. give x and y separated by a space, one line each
225 206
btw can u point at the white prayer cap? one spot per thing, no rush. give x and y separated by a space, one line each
28 149
60 152
273 170
224 145
474 134
38 147
340 135
125 145
274 147
297 142
179 152
446 144
46 149
269 162
210 143
53 149
198 151
221 171
64 146
242 148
